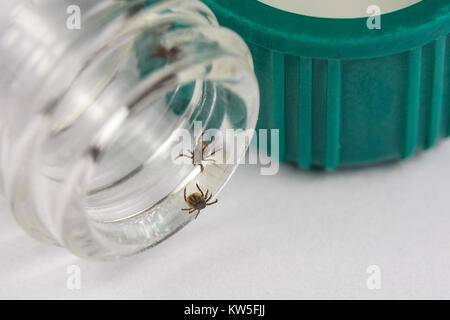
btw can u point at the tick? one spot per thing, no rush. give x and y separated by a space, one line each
163 52
198 201
200 148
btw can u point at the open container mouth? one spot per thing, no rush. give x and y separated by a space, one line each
99 163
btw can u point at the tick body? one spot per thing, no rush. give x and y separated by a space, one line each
163 52
200 153
198 201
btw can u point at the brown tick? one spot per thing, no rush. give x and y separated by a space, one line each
198 201
200 149
161 51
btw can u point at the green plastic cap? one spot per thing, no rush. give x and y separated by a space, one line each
344 93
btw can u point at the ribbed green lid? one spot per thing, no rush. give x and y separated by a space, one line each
302 35
343 94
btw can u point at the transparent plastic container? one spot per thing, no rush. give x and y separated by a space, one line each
89 117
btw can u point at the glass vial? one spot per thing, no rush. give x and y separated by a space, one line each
91 110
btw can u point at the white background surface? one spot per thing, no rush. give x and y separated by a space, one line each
290 236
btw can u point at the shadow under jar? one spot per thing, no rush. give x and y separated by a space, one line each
89 117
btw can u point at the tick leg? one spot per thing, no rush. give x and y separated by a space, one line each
200 138
198 212
185 199
206 195
205 151
198 187
214 202
213 153
183 155
186 209
210 196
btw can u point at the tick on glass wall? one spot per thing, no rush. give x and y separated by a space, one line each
198 201
200 153
161 51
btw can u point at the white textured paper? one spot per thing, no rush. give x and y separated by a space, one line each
294 235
